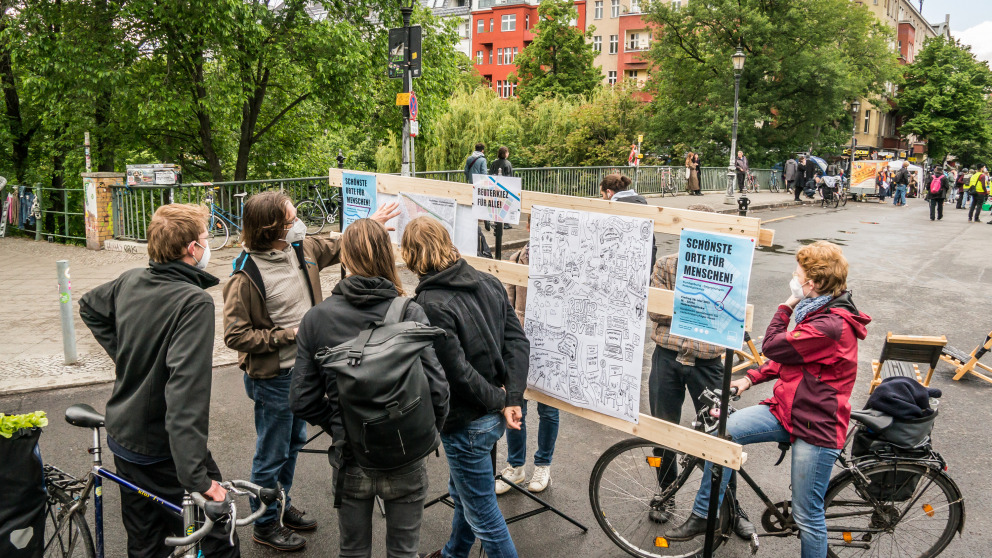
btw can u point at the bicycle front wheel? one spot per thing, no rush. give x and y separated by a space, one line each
631 508
312 215
66 535
219 234
843 198
918 510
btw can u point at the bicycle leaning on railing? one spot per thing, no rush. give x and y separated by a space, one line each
222 221
67 533
319 212
886 500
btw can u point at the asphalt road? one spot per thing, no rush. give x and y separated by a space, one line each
911 275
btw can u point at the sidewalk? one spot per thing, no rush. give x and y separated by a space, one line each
31 355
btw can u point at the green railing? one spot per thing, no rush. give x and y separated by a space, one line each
61 218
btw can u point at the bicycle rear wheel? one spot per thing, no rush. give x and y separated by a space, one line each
66 535
843 198
624 489
836 198
919 509
219 235
312 215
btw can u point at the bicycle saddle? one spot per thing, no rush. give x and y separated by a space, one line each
877 421
241 195
83 415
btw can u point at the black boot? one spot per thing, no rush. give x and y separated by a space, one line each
275 536
297 520
743 527
692 528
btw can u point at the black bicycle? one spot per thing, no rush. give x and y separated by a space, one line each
889 500
319 212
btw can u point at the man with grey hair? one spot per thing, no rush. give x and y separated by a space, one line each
679 364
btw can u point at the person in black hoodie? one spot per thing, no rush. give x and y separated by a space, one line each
485 358
356 302
157 325
616 187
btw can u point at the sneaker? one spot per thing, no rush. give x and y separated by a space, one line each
279 538
516 475
295 519
541 478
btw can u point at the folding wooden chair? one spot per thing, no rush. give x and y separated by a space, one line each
965 363
902 354
748 359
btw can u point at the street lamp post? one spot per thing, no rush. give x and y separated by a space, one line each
855 112
738 60
407 167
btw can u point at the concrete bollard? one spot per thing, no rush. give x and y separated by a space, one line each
65 305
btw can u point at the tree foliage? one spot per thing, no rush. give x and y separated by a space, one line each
947 99
559 61
806 59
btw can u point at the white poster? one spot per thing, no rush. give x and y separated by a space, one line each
455 217
496 199
586 311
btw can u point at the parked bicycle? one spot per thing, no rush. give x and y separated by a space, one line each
320 212
67 534
222 221
773 182
666 181
750 183
832 192
891 499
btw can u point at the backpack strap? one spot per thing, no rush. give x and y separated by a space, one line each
394 315
396 311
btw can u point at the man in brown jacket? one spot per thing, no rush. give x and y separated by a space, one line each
276 280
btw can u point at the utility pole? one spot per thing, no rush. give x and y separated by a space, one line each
405 170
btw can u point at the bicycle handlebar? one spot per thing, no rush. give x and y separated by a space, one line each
215 511
208 523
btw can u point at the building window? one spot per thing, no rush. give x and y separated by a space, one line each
676 4
490 56
611 77
598 13
635 6
867 120
478 57
482 26
614 8
499 57
509 22
468 29
514 59
527 21
634 41
614 43
597 43
632 74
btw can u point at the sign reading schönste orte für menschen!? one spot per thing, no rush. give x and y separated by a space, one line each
358 191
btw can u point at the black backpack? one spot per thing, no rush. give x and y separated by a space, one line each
383 393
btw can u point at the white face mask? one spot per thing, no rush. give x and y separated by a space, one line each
797 288
205 258
297 233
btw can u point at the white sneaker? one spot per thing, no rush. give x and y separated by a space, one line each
541 478
516 475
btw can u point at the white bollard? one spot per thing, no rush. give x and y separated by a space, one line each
65 305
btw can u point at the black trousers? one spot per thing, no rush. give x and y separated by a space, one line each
800 182
148 524
740 180
976 206
667 385
938 205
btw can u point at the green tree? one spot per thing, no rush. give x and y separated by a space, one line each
806 59
946 100
559 61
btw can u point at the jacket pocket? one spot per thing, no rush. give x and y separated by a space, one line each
814 411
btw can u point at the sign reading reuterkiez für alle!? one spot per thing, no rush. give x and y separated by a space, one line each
496 199
711 283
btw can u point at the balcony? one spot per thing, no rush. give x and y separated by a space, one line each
634 57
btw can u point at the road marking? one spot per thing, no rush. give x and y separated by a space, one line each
777 219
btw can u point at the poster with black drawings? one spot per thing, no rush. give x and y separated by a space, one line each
586 311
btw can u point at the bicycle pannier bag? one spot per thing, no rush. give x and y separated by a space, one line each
22 496
383 393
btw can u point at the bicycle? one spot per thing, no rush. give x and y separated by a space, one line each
67 534
773 182
871 504
221 221
317 213
830 193
750 184
666 182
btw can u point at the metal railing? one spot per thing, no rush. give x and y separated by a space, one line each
61 213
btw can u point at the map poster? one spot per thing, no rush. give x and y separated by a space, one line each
711 283
358 193
496 199
586 311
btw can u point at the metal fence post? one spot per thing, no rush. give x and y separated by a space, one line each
65 305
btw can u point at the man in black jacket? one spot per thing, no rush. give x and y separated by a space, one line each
485 358
157 324
801 176
937 198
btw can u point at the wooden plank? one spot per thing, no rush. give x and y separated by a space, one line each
669 220
917 339
670 435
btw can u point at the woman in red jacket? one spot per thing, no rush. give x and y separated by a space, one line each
815 365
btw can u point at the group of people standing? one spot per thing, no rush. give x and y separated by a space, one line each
960 186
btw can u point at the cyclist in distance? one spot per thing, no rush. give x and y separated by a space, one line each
157 324
815 365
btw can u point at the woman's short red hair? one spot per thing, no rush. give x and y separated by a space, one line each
824 264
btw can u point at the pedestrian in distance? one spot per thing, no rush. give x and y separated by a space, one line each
901 180
275 281
937 191
978 187
364 297
157 325
741 167
800 177
679 364
881 183
475 164
616 187
692 174
502 167
484 355
547 427
810 412
961 183
790 175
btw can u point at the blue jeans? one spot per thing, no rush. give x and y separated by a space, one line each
472 486
280 437
547 434
900 196
811 468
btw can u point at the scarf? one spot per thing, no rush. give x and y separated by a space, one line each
807 306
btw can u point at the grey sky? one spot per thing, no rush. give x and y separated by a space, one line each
971 22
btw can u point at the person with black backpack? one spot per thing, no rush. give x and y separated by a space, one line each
366 372
485 359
